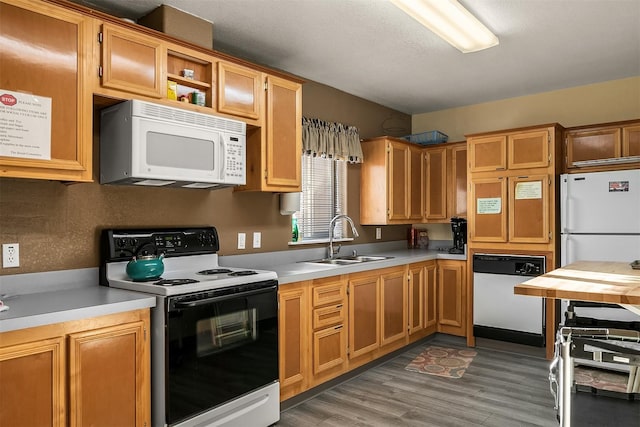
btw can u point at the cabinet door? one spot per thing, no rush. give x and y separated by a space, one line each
631 141
528 150
487 153
416 297
397 174
451 303
430 294
132 62
109 368
329 349
458 182
436 183
284 134
364 315
393 294
239 90
415 180
529 209
488 220
32 386
45 55
594 144
293 332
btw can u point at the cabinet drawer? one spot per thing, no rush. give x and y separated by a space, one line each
323 317
333 293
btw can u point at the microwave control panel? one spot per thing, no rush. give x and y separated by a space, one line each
234 159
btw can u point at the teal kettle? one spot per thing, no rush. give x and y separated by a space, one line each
145 267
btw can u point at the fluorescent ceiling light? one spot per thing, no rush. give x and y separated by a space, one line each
451 21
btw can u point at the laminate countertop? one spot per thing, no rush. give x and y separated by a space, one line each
598 281
45 308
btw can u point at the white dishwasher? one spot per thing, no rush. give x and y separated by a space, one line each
500 314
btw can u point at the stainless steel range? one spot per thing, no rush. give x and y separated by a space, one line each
214 357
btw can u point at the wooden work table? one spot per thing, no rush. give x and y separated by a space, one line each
599 281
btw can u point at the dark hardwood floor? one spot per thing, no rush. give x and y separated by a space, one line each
506 385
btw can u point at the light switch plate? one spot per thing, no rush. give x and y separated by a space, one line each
242 237
378 233
257 239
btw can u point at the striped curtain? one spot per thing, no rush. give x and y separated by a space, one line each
332 140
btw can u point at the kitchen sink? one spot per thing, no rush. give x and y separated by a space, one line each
348 260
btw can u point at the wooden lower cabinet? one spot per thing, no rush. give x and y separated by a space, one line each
293 338
329 350
422 302
452 276
86 372
377 313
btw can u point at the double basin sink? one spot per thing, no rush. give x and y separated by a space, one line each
349 260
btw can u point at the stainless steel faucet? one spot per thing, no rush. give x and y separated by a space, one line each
331 252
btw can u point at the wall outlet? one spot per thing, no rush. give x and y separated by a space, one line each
257 239
242 238
10 255
378 233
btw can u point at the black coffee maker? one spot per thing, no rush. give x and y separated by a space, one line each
459 229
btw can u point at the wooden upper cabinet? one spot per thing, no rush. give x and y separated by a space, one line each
457 191
397 176
415 174
631 141
239 90
529 209
594 144
488 220
45 55
435 183
284 134
132 62
488 153
528 150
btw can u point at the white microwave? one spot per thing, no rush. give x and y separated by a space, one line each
142 143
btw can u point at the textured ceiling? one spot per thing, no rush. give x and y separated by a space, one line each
371 49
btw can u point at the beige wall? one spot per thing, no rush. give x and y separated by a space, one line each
57 225
596 103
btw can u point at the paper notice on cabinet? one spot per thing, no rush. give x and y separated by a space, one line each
528 190
25 125
489 205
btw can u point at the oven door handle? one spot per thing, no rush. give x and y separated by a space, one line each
198 302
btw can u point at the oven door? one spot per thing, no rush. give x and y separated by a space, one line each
221 345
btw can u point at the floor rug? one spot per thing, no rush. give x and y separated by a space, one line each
444 362
601 379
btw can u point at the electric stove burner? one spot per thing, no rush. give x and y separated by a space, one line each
171 282
215 271
243 273
148 279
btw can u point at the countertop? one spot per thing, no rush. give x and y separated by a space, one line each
598 281
37 299
296 268
44 308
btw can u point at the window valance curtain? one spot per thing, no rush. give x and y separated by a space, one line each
333 140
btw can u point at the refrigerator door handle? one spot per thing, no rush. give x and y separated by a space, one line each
565 252
564 202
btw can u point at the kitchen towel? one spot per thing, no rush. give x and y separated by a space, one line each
443 362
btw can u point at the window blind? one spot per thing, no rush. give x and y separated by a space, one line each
324 195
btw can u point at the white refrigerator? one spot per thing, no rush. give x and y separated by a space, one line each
600 221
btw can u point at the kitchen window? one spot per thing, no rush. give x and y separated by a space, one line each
324 195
